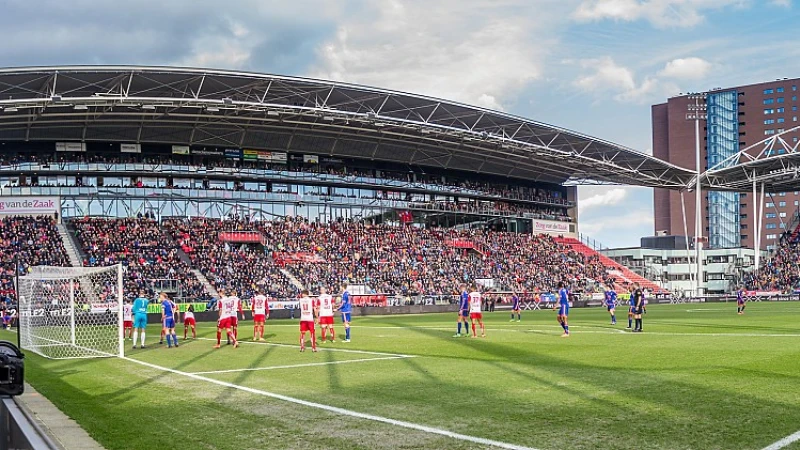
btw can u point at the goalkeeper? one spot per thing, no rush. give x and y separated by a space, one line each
139 316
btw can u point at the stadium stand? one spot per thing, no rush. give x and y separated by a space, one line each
781 270
391 260
150 258
31 241
621 275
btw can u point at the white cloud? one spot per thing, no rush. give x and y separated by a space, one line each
686 68
660 13
784 3
474 52
619 229
610 197
605 76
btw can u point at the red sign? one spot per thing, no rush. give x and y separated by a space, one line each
247 237
369 300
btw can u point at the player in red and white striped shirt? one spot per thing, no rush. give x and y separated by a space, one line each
325 314
475 302
260 308
238 309
307 322
227 316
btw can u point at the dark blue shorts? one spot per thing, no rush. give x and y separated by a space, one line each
345 317
169 322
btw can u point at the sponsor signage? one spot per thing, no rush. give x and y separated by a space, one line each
284 305
550 227
70 146
207 152
250 155
311 159
180 149
233 153
29 205
130 148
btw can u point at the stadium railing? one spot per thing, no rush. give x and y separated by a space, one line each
20 431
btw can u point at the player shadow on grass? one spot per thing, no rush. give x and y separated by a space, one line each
242 376
745 417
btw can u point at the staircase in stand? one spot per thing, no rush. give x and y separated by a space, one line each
206 284
616 270
292 279
70 246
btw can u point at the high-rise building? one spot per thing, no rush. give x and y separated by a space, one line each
735 118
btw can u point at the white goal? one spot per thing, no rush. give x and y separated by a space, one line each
71 312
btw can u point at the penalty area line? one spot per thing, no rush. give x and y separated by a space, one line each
293 366
337 410
785 442
325 349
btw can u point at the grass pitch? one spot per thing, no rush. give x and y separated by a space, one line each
699 377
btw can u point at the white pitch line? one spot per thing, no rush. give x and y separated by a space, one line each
341 411
327 349
293 366
785 442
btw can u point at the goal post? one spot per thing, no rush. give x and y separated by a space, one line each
71 312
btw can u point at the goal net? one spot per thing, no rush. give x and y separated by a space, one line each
71 312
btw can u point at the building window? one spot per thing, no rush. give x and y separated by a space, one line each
797 203
781 204
772 236
780 120
794 88
769 121
743 216
770 215
794 98
768 132
794 118
771 226
781 194
743 236
779 90
780 99
781 110
767 91
769 111
794 108
780 130
783 214
770 205
769 101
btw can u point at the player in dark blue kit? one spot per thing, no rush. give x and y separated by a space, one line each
740 304
611 304
563 308
346 307
515 307
463 312
631 307
168 319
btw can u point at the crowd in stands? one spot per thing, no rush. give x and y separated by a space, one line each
146 253
401 261
391 260
229 265
28 241
414 177
781 271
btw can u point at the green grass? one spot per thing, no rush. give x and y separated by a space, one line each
700 377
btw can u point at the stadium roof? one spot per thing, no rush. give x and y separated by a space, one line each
200 107
773 162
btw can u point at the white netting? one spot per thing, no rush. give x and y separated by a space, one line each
71 312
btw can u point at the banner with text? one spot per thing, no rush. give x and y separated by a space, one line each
130 148
233 153
550 227
70 147
29 205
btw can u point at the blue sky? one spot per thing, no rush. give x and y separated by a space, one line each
594 66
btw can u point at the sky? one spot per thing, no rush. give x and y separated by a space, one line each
594 66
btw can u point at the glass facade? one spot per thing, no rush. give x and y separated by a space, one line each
724 221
